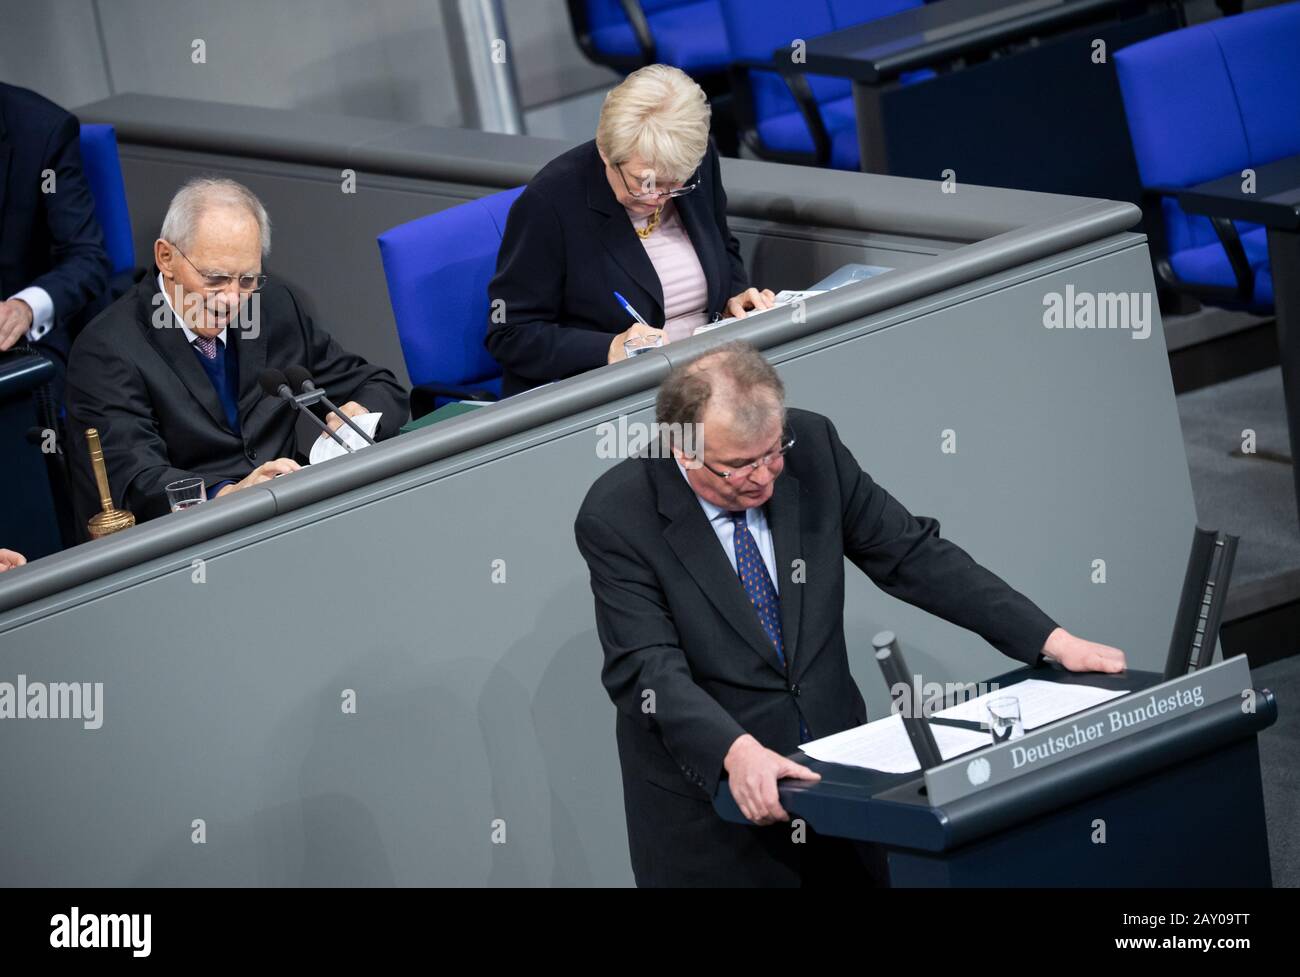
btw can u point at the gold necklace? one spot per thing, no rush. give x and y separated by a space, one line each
650 225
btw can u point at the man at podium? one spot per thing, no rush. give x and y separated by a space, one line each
718 576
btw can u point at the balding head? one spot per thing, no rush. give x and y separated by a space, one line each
735 402
734 381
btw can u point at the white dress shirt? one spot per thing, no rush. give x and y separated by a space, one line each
756 519
190 334
42 306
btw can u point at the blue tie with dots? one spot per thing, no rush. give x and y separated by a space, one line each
761 591
758 585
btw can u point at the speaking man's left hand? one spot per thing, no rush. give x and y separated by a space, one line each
1078 655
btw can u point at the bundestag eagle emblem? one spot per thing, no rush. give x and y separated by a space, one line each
977 771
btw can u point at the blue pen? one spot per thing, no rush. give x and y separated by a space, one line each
631 311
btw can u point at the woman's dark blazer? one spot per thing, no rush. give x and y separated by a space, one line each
569 246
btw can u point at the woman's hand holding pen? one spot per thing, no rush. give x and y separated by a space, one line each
616 351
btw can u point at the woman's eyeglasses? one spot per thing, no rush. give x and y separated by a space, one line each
655 194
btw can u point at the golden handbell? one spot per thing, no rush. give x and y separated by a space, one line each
111 520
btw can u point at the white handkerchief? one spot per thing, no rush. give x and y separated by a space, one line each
324 447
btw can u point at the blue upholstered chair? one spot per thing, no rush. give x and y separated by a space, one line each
1202 103
103 170
438 268
628 34
798 118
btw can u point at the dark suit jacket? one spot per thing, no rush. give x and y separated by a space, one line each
159 417
568 247
673 618
47 239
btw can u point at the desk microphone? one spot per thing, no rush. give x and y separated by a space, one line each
896 674
301 380
276 384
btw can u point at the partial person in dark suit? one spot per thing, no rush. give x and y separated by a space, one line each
53 266
699 612
168 375
640 211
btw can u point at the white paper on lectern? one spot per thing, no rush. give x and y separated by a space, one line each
1040 702
324 447
883 745
782 299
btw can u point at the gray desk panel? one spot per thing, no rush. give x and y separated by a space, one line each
478 702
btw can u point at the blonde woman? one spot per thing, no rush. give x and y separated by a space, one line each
639 212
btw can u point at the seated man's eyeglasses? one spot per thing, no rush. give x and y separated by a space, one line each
749 467
656 194
215 281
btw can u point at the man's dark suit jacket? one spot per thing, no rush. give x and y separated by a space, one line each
674 619
568 246
159 416
48 239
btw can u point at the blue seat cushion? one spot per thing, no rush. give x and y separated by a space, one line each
1208 264
691 37
788 132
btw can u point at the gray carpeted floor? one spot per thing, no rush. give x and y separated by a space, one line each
1253 497
1279 762
1250 496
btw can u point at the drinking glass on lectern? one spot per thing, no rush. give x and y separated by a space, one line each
1004 719
186 493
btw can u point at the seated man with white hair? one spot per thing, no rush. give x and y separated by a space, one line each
169 374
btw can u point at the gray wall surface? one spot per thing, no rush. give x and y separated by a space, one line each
479 702
387 59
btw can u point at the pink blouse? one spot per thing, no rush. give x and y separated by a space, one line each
686 290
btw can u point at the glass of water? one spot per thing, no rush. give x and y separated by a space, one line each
1004 719
186 493
642 344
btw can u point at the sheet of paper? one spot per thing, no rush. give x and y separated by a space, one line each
1040 702
786 297
883 745
324 447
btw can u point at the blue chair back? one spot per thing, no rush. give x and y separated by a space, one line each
103 170
688 34
438 268
756 28
1209 100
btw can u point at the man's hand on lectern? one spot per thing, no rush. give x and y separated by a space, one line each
1079 655
752 771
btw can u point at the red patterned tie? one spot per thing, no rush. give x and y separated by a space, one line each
206 346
